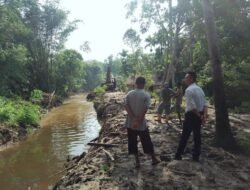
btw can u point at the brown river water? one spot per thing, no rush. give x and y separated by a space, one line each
36 163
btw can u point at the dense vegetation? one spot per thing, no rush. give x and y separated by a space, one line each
179 43
19 113
32 53
33 59
33 56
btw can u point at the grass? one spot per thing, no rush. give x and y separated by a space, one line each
104 168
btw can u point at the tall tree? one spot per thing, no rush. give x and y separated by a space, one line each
13 54
223 136
49 29
170 21
94 75
69 71
132 39
180 17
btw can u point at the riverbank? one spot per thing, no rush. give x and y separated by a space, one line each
13 132
7 138
107 165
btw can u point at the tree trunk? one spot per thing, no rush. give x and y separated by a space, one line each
174 57
170 24
223 136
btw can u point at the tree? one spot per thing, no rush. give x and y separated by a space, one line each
85 47
170 21
49 30
32 54
94 75
132 39
69 71
126 67
13 54
223 136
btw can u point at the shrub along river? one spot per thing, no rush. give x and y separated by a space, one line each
36 163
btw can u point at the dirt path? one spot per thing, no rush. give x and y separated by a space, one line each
217 169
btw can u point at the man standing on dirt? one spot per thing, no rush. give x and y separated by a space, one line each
195 115
165 103
136 104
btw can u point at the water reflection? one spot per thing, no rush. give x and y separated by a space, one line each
34 163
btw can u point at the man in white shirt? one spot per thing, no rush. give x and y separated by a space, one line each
195 116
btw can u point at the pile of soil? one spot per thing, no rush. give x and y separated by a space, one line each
107 164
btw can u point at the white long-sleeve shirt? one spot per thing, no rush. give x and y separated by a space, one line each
195 98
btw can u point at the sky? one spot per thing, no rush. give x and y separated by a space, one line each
104 24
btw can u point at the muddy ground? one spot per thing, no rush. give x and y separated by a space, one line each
110 167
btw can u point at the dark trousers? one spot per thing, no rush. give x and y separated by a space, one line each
192 123
146 142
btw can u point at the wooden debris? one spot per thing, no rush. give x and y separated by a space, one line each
94 139
108 154
102 144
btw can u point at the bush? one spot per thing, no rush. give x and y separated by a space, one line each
154 95
28 114
100 90
18 112
36 96
6 109
121 83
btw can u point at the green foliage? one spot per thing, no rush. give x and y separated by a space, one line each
237 84
149 80
93 75
116 67
122 84
132 39
18 112
243 108
49 29
104 168
13 70
127 66
31 34
69 72
28 114
36 96
232 23
100 90
154 95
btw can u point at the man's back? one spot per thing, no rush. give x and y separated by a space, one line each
138 100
